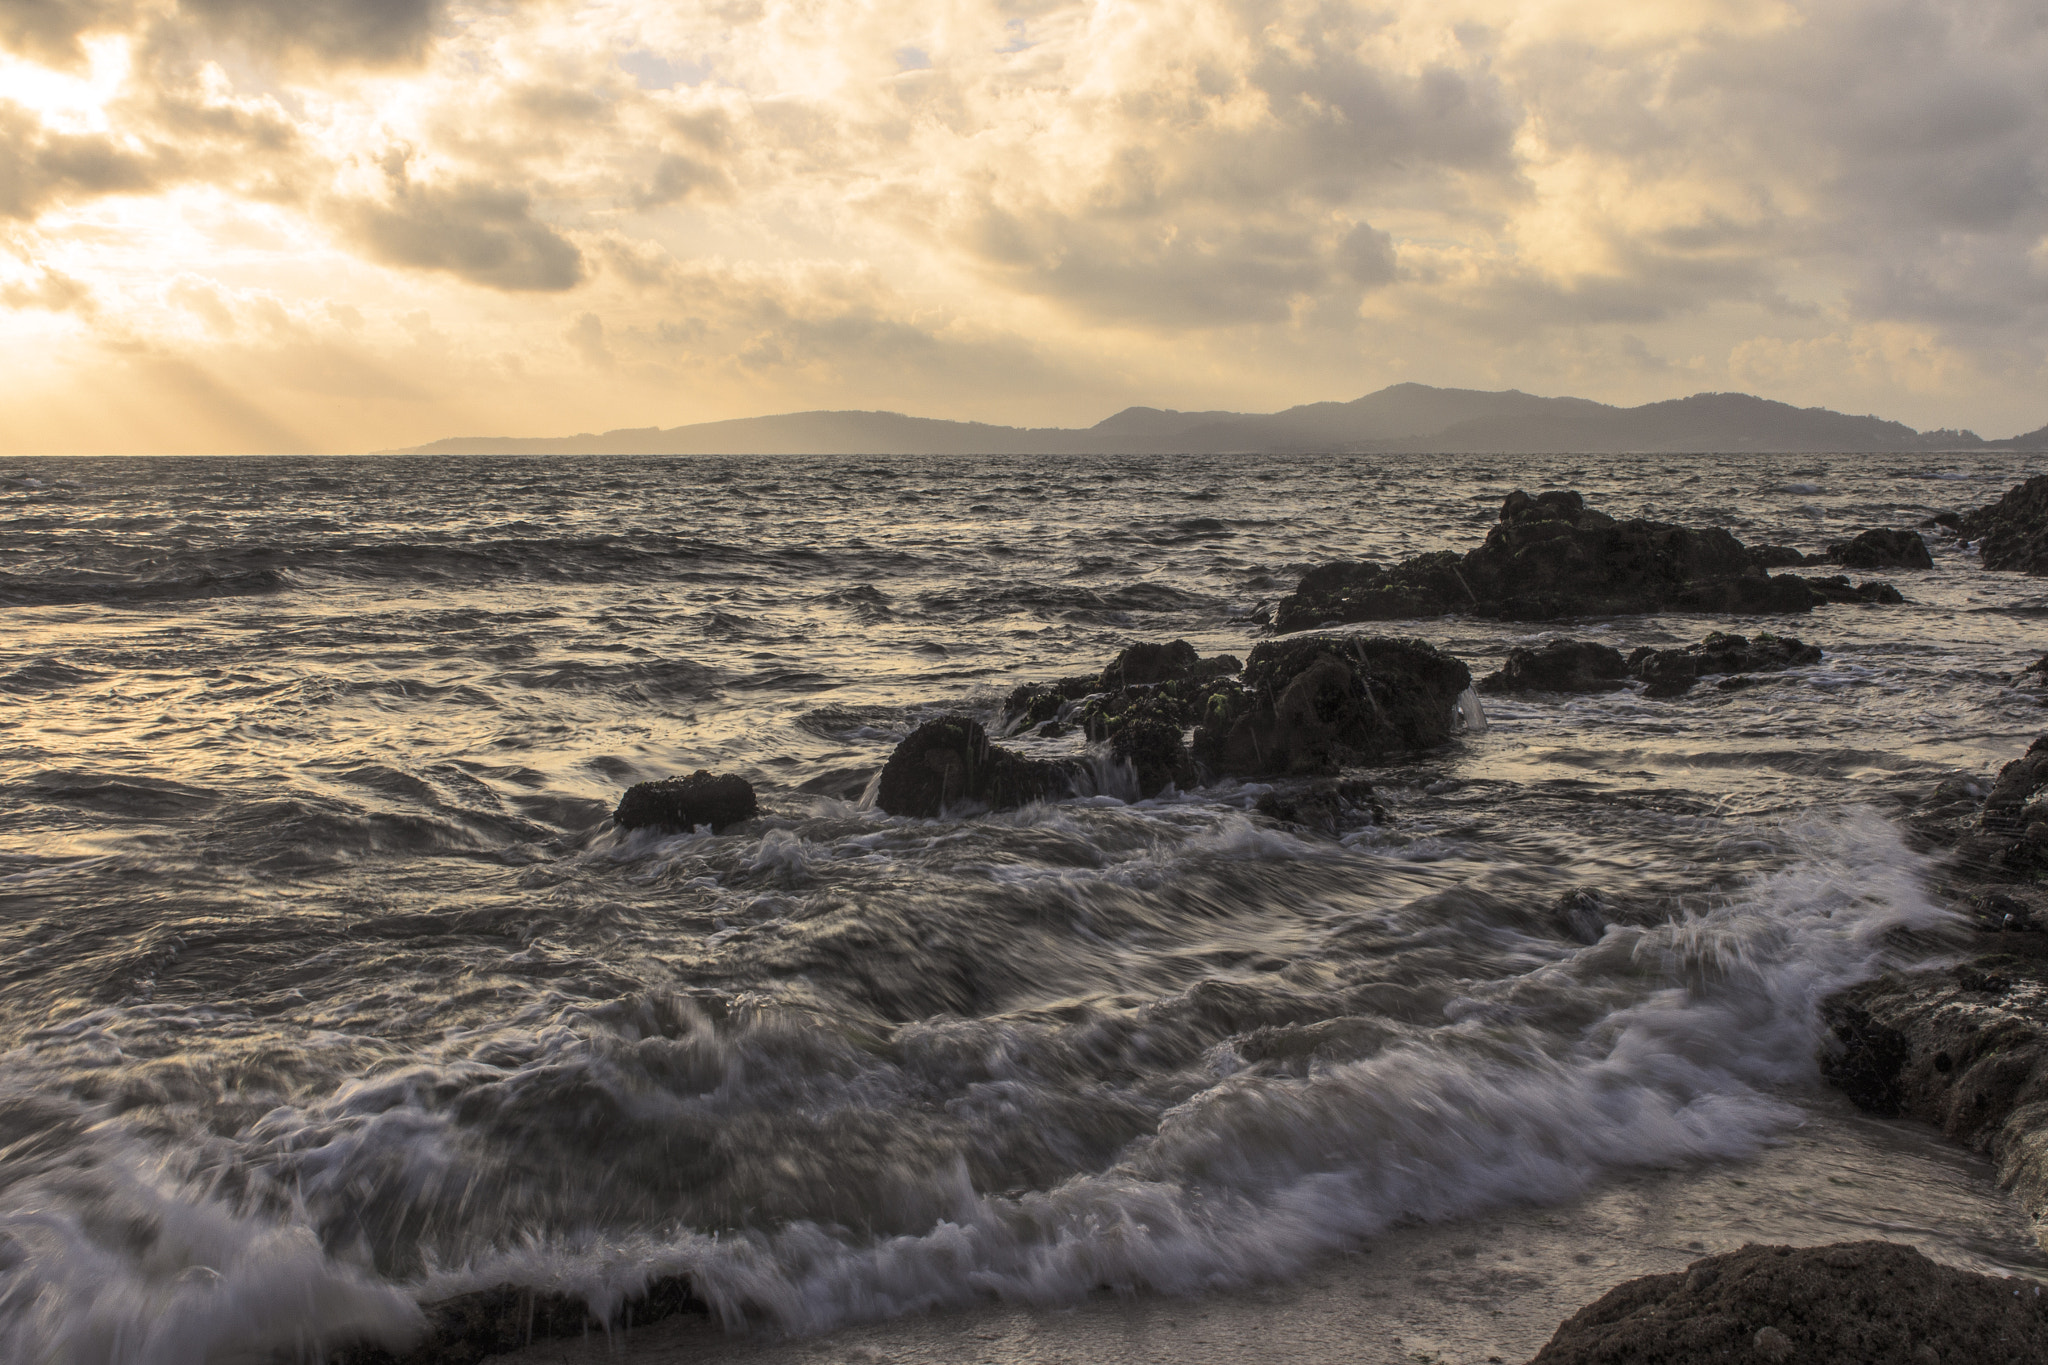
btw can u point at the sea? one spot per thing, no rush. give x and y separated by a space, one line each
328 988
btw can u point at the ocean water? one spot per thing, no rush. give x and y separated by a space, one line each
326 985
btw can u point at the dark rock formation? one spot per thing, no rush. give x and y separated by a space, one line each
1325 805
1777 557
472 1327
2034 677
1882 548
1157 753
948 763
1965 1047
1550 556
1853 1303
1560 666
1146 664
2012 533
702 798
1033 704
1316 703
1836 588
1672 672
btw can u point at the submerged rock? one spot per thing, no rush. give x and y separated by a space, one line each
1852 1303
1315 703
1838 588
949 762
684 803
1672 672
1550 556
1325 805
1882 548
1560 666
2011 533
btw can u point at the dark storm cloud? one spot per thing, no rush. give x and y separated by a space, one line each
483 233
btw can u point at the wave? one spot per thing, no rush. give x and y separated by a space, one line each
798 1174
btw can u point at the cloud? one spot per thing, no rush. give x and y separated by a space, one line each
363 32
39 166
50 290
483 233
1052 207
50 29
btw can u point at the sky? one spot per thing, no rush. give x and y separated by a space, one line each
342 225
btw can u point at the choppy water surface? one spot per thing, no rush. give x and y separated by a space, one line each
325 983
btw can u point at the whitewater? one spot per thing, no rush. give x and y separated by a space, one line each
328 988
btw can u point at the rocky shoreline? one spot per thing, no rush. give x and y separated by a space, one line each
1963 1046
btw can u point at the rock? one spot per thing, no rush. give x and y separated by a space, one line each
1777 557
1560 666
1852 1303
2016 812
2012 533
1325 805
1672 672
1582 914
948 763
1965 1046
702 798
1145 663
1157 755
1033 704
1882 548
1837 588
1550 556
1315 703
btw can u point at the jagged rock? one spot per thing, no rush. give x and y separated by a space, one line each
1581 914
1777 557
1837 588
2012 533
1033 704
948 763
1672 672
1157 755
1882 548
1851 1303
1147 663
702 798
1550 556
1315 703
2016 810
1965 1046
2034 677
1560 666
1325 805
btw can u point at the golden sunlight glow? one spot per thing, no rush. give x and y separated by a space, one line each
355 227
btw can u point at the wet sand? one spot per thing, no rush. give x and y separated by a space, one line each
1463 1293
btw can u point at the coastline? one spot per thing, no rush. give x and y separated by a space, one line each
1461 1293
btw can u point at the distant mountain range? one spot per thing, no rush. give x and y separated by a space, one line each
1403 419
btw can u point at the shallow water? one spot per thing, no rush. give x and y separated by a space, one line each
325 983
